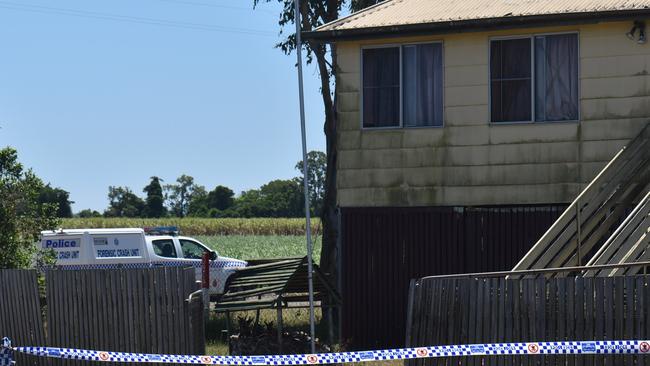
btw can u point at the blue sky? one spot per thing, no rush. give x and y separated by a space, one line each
91 97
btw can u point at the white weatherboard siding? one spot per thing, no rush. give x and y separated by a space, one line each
472 162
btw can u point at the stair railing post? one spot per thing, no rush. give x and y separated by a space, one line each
579 232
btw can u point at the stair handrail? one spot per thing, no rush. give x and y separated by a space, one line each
529 260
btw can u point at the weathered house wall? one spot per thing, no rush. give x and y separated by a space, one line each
470 161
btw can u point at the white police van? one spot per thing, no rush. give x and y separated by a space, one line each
136 248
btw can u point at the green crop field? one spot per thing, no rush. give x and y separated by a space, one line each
260 246
203 226
255 238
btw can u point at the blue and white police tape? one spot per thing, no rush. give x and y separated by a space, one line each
6 353
496 349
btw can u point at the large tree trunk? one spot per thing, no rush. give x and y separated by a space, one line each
328 11
329 214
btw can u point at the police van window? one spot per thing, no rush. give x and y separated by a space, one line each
164 248
192 250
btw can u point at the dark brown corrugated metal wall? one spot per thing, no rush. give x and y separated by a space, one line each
384 248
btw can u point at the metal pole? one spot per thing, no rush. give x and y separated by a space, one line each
579 231
310 280
205 285
280 325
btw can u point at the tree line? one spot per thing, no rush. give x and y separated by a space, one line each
186 198
28 205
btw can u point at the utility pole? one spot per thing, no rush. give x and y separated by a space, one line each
301 96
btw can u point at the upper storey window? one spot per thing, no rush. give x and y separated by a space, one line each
534 78
402 86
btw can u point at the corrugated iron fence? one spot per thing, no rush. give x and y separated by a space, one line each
384 248
128 310
496 310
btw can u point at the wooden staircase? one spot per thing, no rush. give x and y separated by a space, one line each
598 227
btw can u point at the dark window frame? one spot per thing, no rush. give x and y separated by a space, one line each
181 241
533 117
155 246
401 124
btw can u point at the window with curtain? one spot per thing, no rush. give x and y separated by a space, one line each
412 99
551 61
422 85
510 80
381 81
556 77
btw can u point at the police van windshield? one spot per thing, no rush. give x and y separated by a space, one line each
192 249
164 248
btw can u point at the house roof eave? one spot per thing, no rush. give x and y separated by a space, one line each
473 25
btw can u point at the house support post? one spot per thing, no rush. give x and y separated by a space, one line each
228 323
579 232
280 326
330 323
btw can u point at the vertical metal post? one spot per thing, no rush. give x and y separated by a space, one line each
310 280
205 286
409 311
228 326
339 272
257 314
579 232
280 326
330 324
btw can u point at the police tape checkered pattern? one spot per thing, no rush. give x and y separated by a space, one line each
5 357
195 264
534 348
6 353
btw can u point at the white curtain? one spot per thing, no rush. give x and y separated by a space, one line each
556 77
422 84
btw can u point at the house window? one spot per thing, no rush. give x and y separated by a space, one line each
410 98
534 78
381 87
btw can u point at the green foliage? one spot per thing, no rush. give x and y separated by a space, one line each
198 206
88 213
202 226
22 216
278 198
124 203
314 13
58 197
221 198
154 203
283 198
316 167
179 195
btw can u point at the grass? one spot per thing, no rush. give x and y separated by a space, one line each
254 247
259 246
203 226
292 319
214 348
